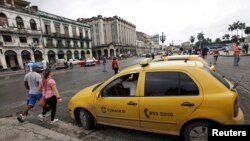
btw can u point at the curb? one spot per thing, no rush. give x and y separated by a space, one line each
11 129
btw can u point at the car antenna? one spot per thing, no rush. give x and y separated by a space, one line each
237 83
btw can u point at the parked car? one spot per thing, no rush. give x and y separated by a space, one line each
172 97
61 63
90 61
40 64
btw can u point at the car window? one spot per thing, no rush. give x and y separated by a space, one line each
122 86
169 84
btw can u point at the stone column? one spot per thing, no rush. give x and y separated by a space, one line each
12 3
32 57
19 59
3 61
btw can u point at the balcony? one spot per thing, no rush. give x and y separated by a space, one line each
15 30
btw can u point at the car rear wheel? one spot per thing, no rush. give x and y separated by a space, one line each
196 131
86 119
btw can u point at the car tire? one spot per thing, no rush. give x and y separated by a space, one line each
196 131
86 119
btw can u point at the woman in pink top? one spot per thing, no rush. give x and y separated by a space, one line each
51 95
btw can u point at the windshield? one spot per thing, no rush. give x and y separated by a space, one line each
218 77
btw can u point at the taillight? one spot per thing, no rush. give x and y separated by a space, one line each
236 107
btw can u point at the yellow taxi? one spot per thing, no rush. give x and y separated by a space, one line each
172 97
186 57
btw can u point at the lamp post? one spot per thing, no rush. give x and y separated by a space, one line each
162 38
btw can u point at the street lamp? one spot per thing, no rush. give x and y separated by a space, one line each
162 38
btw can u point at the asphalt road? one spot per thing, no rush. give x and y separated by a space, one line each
69 82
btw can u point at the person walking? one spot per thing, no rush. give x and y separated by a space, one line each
204 52
236 49
45 64
246 48
51 95
104 62
216 53
32 82
115 66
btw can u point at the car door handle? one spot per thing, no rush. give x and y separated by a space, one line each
187 104
132 103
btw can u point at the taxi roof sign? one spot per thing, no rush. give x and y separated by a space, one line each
145 62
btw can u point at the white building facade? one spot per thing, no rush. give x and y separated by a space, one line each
111 36
64 38
20 34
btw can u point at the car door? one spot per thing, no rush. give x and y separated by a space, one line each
168 98
118 109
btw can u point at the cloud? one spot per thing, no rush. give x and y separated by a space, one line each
178 19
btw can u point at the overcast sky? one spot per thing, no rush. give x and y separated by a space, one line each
178 19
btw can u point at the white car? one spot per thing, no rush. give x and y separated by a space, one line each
90 61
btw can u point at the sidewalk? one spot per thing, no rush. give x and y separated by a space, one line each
12 130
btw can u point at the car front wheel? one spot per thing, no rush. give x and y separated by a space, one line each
86 119
196 131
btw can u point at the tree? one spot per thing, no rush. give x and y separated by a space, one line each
247 30
217 40
231 29
242 27
235 38
200 37
236 26
192 39
226 36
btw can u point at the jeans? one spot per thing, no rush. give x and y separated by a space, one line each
236 59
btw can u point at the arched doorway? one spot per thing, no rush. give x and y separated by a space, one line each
69 55
60 54
11 59
76 53
106 53
112 53
25 56
82 55
99 52
94 54
38 56
51 57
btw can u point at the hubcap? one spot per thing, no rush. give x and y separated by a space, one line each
199 133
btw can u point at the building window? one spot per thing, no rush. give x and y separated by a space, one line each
19 23
47 28
66 30
23 39
86 33
57 27
75 44
49 43
74 31
7 38
81 44
87 44
68 43
3 20
33 24
36 41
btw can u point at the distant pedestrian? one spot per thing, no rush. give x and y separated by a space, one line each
70 63
216 53
153 56
32 82
227 51
115 66
104 62
236 49
246 48
204 52
30 65
51 95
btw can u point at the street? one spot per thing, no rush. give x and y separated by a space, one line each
13 95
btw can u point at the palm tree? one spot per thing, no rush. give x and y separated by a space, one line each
247 30
200 37
226 36
231 29
192 39
236 26
217 40
242 27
